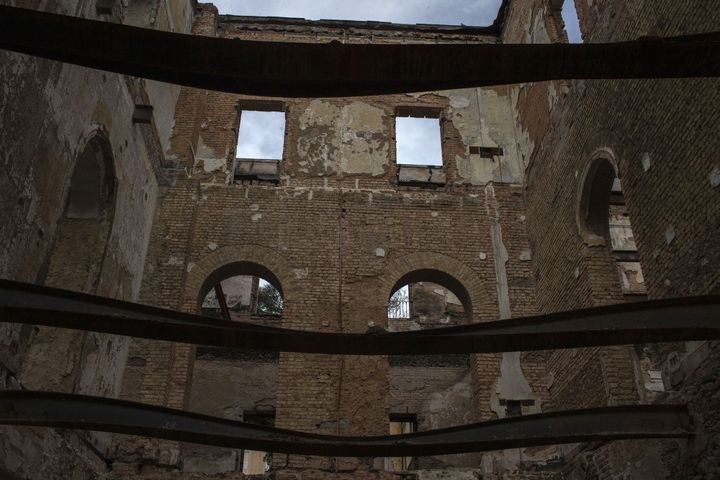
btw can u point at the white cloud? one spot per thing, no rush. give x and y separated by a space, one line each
452 12
418 141
262 135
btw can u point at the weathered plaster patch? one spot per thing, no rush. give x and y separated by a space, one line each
365 147
646 164
174 261
512 384
477 170
459 101
485 118
352 138
213 164
552 96
714 177
538 31
500 254
445 406
669 234
211 160
319 141
301 273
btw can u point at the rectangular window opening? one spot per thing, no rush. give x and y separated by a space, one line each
572 22
256 462
418 137
260 142
261 135
401 423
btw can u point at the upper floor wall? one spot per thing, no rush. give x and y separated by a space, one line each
169 16
354 140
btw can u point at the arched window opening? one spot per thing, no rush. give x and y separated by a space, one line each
244 298
604 221
75 262
606 227
92 184
623 246
427 299
242 291
238 385
420 305
66 360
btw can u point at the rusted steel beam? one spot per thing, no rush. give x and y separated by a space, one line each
45 409
677 319
221 300
286 69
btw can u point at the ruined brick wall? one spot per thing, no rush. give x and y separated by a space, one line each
438 391
337 231
49 112
661 136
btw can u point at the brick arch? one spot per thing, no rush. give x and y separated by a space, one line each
240 260
593 196
464 282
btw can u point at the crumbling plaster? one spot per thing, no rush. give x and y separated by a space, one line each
350 138
43 134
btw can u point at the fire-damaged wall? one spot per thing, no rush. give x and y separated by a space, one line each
543 197
660 138
336 224
78 186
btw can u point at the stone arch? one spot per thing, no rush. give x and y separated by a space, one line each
199 370
254 260
91 191
470 288
67 360
599 270
593 199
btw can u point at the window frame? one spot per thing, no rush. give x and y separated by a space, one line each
259 169
420 174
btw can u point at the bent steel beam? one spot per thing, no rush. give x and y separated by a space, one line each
285 69
677 319
45 409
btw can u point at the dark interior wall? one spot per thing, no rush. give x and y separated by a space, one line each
49 112
338 231
662 137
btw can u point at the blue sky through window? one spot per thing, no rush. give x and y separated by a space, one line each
262 135
572 23
418 141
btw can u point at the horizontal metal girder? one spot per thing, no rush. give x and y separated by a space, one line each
334 69
670 320
45 409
